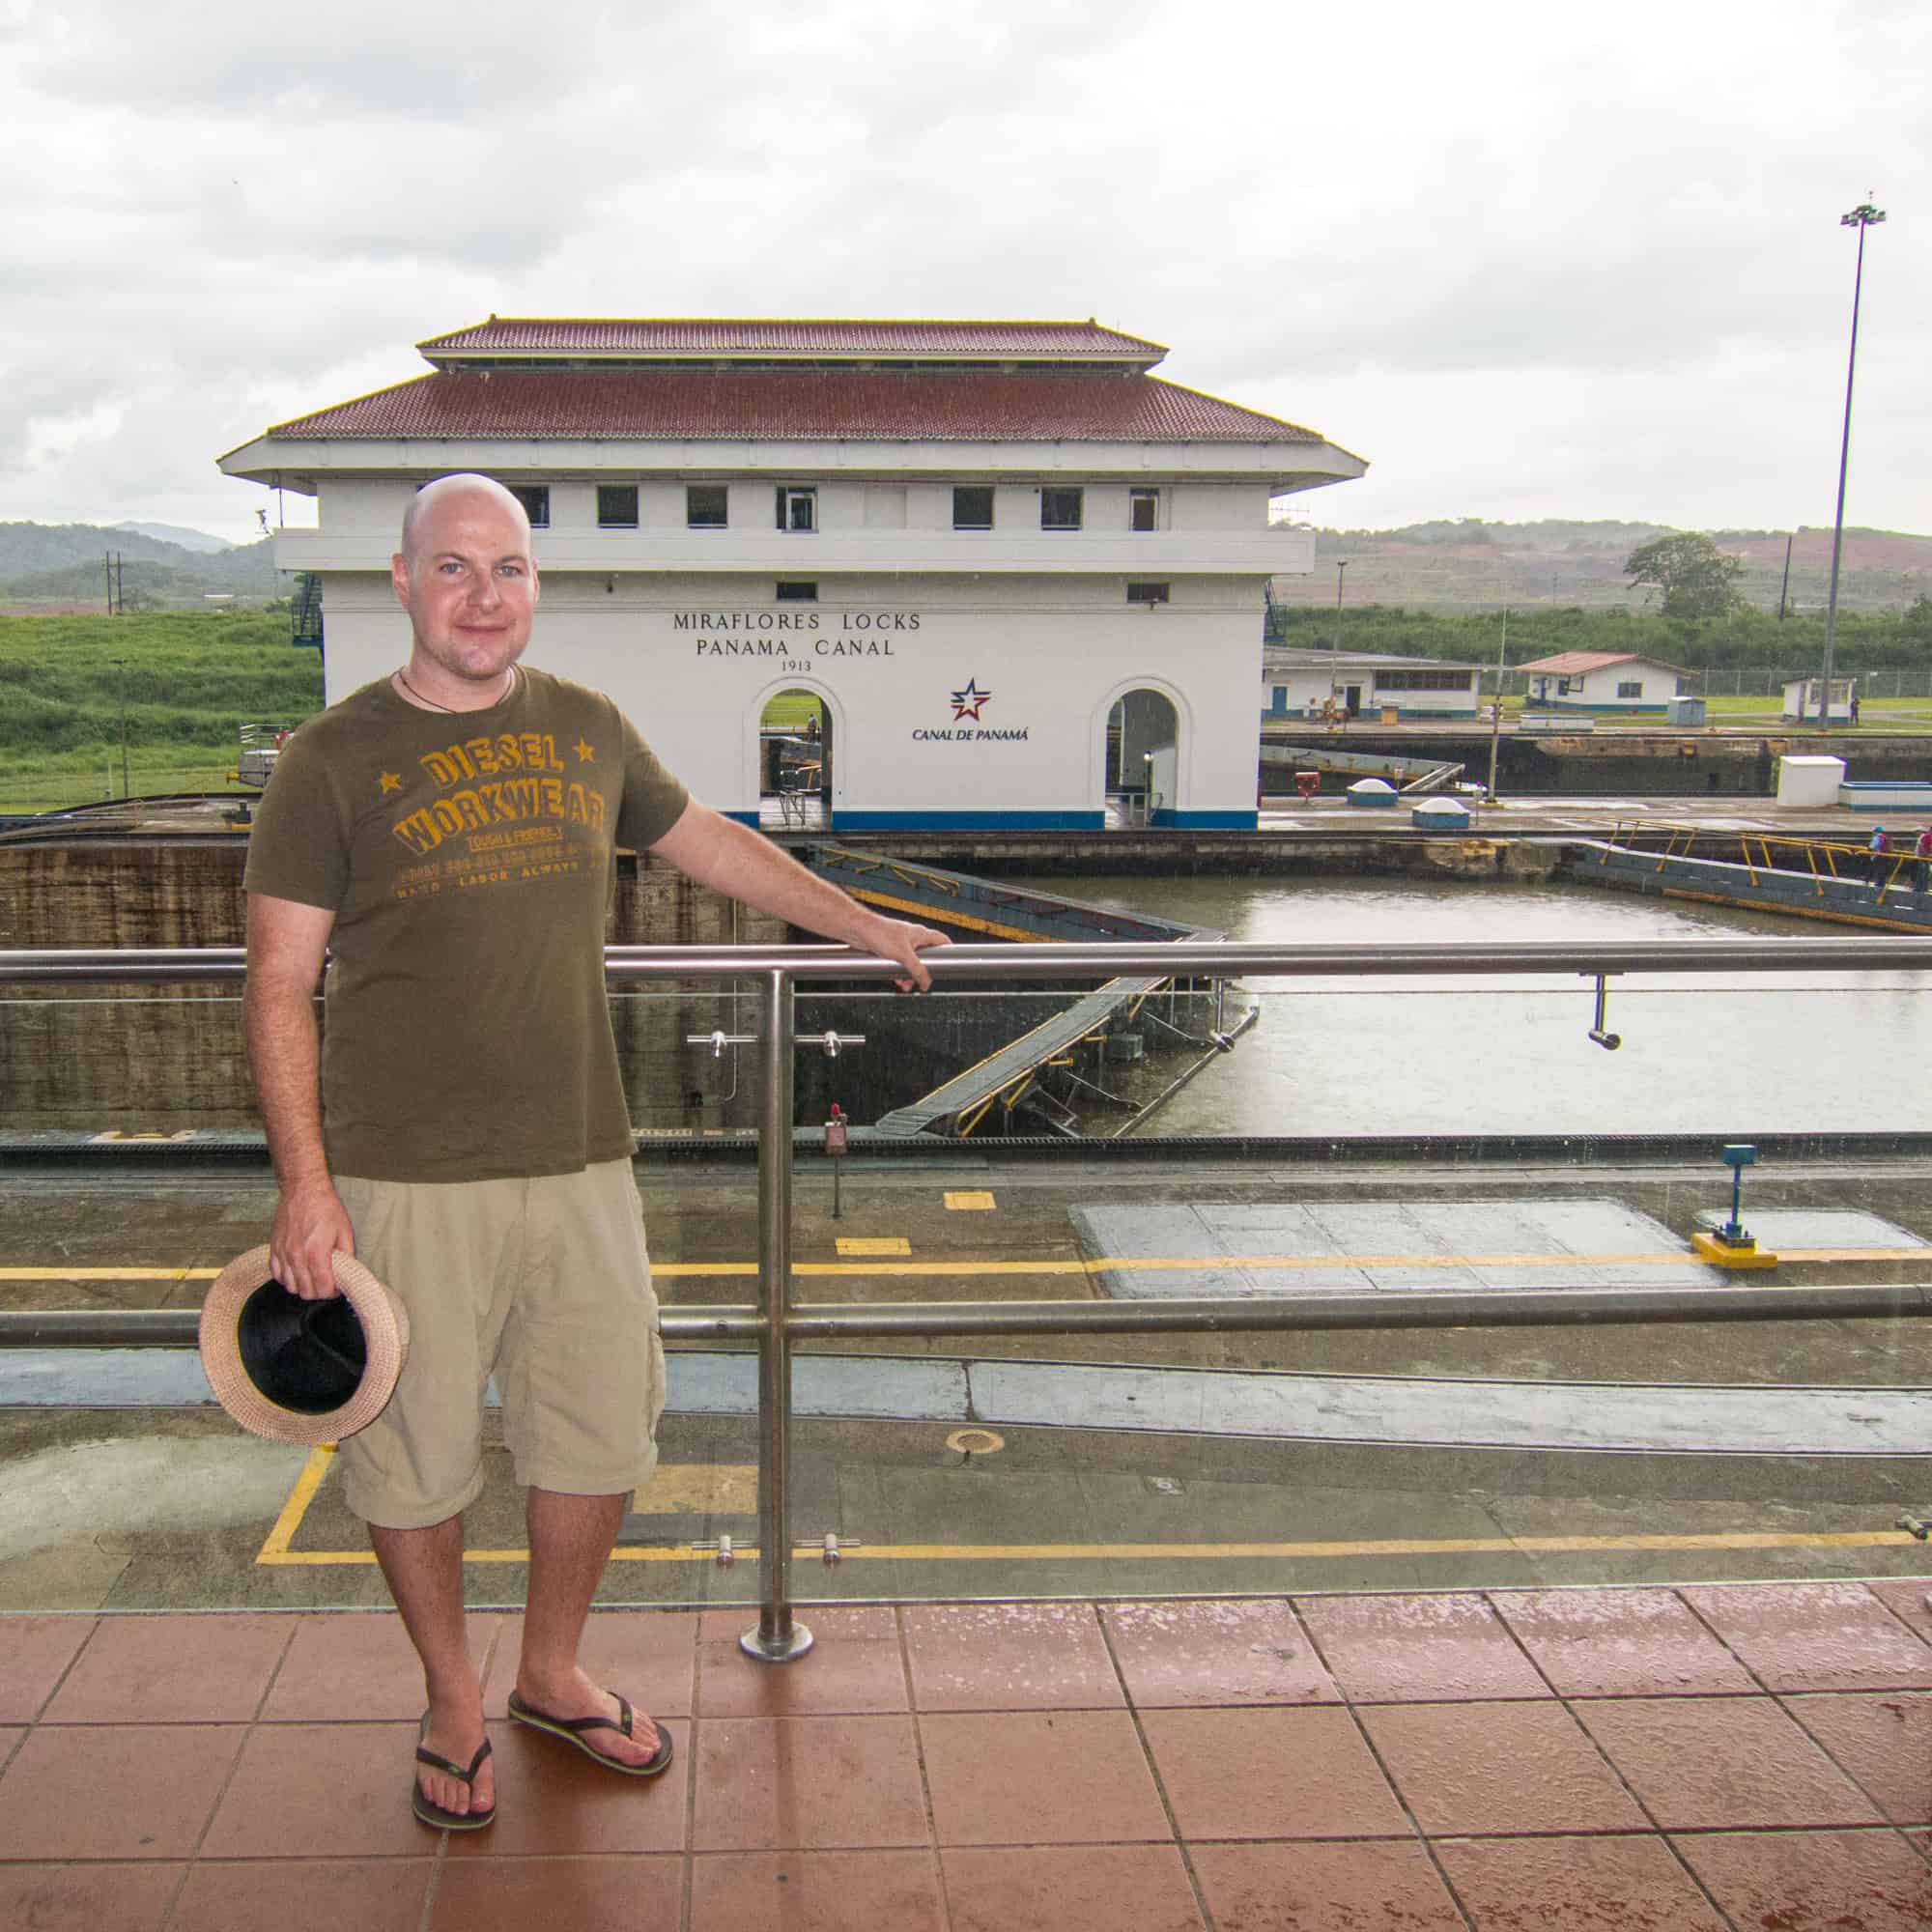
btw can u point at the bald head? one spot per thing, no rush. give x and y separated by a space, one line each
466 575
464 491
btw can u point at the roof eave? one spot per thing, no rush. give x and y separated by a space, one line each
1230 459
450 360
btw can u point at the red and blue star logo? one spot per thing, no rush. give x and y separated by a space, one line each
966 704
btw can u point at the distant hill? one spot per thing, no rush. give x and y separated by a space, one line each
51 564
1467 564
198 541
32 547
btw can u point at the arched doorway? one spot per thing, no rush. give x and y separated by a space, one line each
795 760
1143 760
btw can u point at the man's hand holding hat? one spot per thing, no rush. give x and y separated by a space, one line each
310 1229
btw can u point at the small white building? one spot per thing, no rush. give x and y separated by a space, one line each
1801 700
1617 684
969 544
1300 684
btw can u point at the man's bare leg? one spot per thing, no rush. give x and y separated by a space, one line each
570 1540
424 1571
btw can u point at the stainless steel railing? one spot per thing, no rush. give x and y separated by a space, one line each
776 1323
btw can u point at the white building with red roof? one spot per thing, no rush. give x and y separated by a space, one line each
1617 684
969 542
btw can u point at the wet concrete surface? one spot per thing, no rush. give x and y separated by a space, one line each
123 1508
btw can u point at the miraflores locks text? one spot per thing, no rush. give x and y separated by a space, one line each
787 634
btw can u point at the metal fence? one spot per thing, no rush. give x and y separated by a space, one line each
777 1322
1736 682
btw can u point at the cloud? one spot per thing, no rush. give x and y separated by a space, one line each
1549 258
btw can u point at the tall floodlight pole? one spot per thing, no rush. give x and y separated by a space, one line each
1861 217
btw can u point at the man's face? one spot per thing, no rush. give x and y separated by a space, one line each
469 586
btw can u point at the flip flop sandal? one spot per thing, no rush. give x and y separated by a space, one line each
434 1815
572 1731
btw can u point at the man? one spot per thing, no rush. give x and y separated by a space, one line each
1921 859
448 834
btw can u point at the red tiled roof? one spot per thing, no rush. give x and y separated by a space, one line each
806 404
1576 660
671 337
1572 662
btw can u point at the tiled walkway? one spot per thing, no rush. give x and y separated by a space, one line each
1745 1756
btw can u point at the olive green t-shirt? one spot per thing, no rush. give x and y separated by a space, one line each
469 859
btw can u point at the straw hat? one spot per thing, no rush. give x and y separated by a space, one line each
299 1370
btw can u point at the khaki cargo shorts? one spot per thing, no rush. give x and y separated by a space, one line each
545 1284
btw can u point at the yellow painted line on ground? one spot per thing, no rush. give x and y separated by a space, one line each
277 1548
56 1273
699 1489
967 1199
1047 1552
1073 1264
873 1244
1130 1553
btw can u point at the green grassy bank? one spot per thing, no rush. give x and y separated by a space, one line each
184 682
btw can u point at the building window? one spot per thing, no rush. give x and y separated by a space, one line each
1060 509
972 507
535 500
1147 593
798 590
705 506
1143 509
617 506
1423 680
1563 687
1630 687
798 509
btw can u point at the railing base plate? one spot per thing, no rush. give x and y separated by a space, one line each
787 1649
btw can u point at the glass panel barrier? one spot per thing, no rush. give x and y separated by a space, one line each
1367 1162
1365 1142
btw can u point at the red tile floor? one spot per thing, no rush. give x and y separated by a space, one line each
1742 1755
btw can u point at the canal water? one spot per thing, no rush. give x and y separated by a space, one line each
1789 1054
1844 1052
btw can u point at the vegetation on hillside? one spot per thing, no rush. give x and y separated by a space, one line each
1742 640
1467 564
185 681
1696 577
66 563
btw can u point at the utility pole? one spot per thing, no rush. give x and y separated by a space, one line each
120 665
1497 711
1864 215
1784 588
1334 667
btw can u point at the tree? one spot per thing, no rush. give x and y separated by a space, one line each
1696 577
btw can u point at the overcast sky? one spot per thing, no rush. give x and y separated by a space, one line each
1529 260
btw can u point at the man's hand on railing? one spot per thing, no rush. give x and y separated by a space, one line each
311 1228
900 940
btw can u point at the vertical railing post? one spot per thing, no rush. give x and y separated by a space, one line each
775 1637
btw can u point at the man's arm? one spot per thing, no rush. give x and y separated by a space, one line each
734 860
286 943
